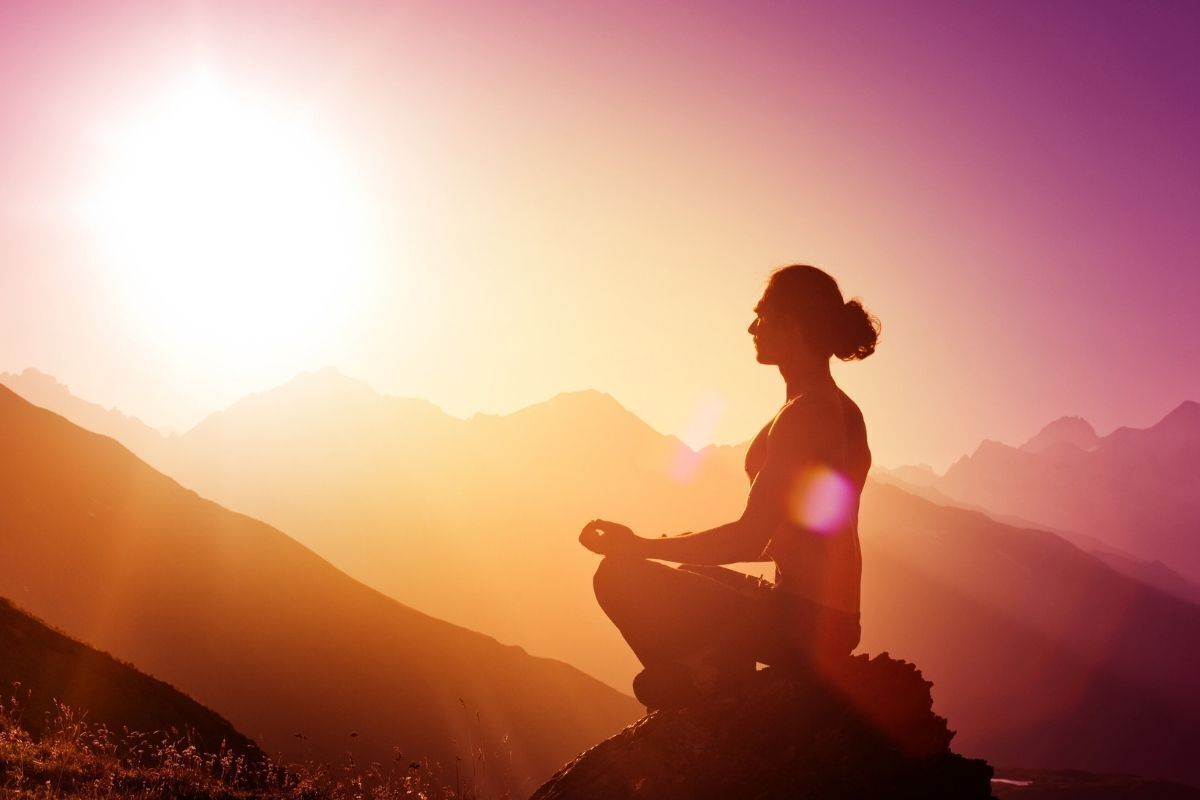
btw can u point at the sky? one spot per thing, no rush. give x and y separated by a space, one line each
486 204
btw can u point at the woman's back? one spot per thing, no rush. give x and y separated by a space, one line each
697 627
823 449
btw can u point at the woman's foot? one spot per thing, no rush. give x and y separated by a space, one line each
678 685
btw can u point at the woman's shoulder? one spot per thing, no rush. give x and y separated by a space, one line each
824 412
815 405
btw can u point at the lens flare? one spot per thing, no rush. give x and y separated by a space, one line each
234 230
686 461
821 500
684 464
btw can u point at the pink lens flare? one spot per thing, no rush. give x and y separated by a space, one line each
686 461
684 464
822 499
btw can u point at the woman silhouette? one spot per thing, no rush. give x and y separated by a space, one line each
701 627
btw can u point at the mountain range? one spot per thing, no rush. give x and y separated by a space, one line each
1041 654
450 515
1133 493
305 660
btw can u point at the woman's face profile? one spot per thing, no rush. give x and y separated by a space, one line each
767 332
775 334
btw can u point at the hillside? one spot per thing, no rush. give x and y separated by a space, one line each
1040 655
296 654
43 390
1151 572
39 666
452 516
1137 490
861 730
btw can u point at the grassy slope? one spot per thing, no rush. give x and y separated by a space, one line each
254 625
41 667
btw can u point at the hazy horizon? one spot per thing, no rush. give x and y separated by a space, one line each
487 208
326 328
1021 631
1016 441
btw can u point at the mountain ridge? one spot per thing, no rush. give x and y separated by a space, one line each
1135 489
245 619
42 666
1011 624
1070 431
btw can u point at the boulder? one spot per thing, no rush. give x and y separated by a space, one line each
863 729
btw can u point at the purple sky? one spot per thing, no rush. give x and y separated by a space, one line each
1013 187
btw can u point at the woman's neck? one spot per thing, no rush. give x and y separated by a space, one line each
802 377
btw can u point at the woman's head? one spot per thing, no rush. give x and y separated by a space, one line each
802 311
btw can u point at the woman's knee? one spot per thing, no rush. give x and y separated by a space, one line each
608 575
616 577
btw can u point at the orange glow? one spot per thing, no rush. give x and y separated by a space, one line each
686 461
230 227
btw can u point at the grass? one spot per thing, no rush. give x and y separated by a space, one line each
72 758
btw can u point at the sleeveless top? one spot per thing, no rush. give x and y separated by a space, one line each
815 548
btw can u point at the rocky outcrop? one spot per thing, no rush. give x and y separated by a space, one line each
865 731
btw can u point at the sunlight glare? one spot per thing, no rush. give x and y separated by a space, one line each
231 227
686 462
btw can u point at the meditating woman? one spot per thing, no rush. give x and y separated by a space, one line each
700 627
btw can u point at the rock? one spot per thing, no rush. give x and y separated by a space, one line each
866 730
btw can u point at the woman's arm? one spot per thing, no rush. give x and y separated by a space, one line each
724 544
743 539
796 440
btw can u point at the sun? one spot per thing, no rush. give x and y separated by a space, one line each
230 228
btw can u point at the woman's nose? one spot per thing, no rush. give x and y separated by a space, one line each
753 326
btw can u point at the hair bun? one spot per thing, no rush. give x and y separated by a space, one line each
859 332
828 326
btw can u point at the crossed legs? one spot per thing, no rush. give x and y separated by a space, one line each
681 622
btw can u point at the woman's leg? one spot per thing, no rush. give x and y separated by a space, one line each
670 615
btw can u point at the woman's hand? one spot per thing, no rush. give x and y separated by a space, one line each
610 538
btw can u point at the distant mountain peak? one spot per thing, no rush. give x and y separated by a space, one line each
990 445
46 391
32 378
587 401
915 474
596 405
317 394
330 383
327 376
599 412
585 396
1070 431
1182 424
35 373
1186 413
330 380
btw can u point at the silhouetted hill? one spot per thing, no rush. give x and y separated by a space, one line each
49 667
1137 490
1152 573
454 515
912 474
254 625
43 390
864 732
1073 432
1040 654
1070 657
